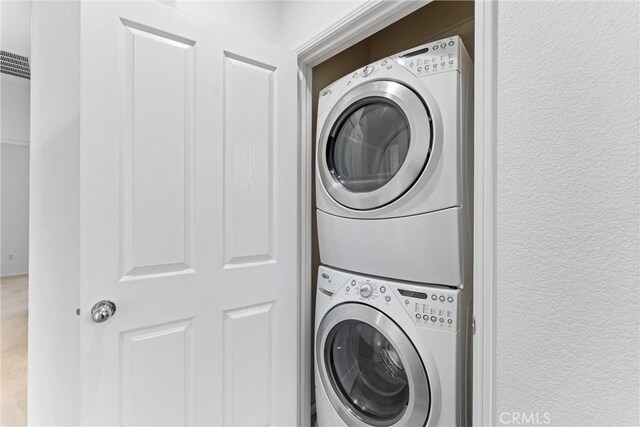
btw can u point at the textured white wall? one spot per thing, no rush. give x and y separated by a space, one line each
568 212
301 20
289 23
254 18
14 228
15 109
16 26
15 209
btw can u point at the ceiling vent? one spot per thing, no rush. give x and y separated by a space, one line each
15 65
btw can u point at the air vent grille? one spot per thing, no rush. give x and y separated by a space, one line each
15 65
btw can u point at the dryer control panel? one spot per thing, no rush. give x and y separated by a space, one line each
432 58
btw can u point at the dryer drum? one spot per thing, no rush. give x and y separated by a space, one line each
368 145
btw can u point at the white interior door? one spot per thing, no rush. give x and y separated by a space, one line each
188 221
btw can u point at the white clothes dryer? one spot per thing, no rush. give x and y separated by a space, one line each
394 159
389 353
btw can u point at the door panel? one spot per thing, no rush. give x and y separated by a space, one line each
157 150
188 221
248 343
158 358
248 143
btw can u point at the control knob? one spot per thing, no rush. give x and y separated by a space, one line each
367 70
366 290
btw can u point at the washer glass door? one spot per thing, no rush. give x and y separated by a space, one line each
370 370
367 370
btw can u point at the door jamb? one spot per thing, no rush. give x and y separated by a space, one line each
362 22
484 216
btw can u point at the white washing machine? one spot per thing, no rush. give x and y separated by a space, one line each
394 159
391 353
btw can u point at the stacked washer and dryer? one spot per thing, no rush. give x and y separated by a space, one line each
394 209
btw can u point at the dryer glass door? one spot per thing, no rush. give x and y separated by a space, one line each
370 370
370 146
374 145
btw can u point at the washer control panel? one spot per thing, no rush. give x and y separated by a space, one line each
364 289
430 306
432 58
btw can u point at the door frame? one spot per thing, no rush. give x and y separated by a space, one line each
359 24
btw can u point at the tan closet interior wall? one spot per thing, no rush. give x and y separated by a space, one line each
432 22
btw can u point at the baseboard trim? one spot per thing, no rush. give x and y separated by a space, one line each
12 141
2 276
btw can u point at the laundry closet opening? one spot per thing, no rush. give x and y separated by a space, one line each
435 21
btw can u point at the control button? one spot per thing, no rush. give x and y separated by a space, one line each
434 297
443 45
451 61
435 47
419 69
387 298
441 298
349 83
418 316
389 67
450 321
325 276
434 318
425 317
355 75
441 320
348 289
384 63
435 65
442 63
366 71
451 43
450 299
383 289
353 283
366 290
406 302
325 93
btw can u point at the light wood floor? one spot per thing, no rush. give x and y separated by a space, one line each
13 339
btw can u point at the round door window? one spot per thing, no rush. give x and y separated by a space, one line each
367 373
368 145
